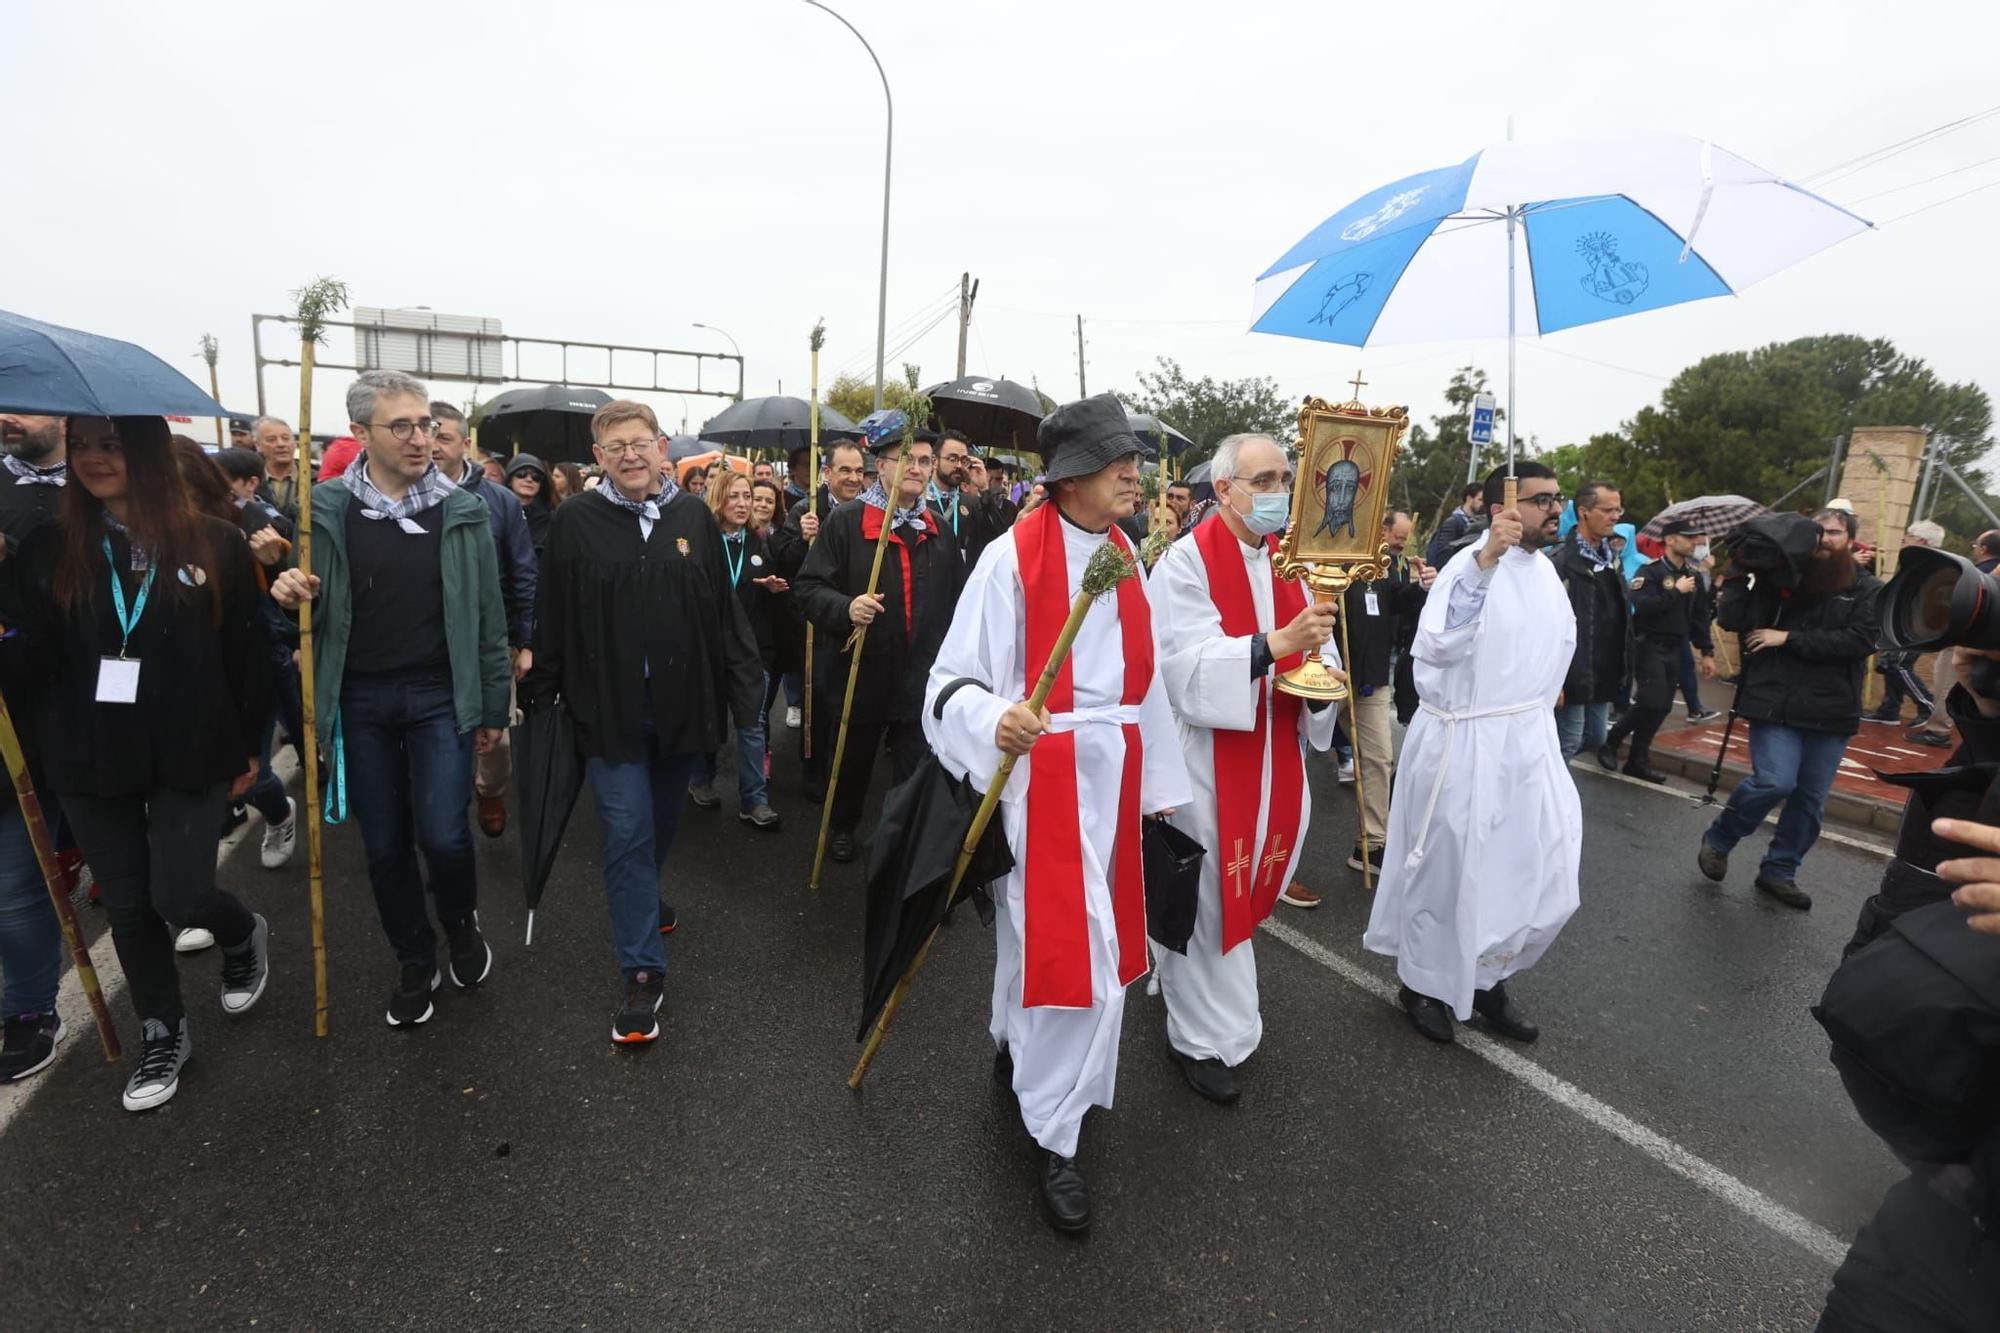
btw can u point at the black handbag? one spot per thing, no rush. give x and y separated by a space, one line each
1173 879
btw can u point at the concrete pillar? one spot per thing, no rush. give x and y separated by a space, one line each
1880 478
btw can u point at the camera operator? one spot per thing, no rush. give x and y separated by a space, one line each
1800 689
1914 1014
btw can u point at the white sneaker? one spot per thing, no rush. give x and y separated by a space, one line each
280 840
193 940
794 718
1347 770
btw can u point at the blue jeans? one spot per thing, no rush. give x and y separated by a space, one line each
409 783
1789 765
31 942
639 804
795 689
267 794
750 791
1582 727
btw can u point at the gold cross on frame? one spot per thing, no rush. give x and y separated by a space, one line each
1239 864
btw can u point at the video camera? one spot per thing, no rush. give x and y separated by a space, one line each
1777 548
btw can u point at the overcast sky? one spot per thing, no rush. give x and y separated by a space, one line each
617 172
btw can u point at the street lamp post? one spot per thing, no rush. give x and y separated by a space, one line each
734 348
888 158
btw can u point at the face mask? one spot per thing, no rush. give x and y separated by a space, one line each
1268 514
1701 551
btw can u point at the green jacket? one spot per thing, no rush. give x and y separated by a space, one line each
475 619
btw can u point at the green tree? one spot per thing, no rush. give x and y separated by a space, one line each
1430 473
1759 423
854 397
1207 409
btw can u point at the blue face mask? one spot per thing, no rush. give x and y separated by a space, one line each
1268 513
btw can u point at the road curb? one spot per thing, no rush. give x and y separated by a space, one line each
1886 816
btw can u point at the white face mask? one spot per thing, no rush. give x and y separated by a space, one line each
1701 551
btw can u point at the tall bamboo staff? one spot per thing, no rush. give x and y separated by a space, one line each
1106 570
812 507
315 302
45 857
210 350
892 499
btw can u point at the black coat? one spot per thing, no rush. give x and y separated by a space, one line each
1814 680
919 586
761 606
1660 612
971 522
1372 639
1603 625
204 679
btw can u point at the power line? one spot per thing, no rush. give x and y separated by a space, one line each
1591 360
1898 189
1842 170
1939 204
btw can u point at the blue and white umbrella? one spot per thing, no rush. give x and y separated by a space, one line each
1612 224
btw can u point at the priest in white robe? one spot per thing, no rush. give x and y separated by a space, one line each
1227 625
1480 868
1070 929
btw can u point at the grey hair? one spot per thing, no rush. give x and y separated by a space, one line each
280 422
1222 465
1927 531
371 386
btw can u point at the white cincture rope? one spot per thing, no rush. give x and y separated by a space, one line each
1451 721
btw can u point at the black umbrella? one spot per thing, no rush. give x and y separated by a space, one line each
551 421
680 448
774 422
924 822
548 774
997 414
1157 435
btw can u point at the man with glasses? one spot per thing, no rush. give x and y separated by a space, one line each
1592 578
412 676
840 480
514 550
1480 869
1226 624
965 517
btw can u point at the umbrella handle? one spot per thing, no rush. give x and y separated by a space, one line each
531 929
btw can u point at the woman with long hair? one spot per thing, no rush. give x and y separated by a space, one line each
140 616
747 557
567 478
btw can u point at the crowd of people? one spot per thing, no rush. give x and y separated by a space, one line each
150 592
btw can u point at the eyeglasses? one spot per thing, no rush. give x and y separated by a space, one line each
1546 501
403 428
1267 482
625 449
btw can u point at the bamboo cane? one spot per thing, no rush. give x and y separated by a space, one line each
1354 738
45 856
315 303
1105 572
812 507
894 497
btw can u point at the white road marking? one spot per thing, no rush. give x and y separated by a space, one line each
1831 835
79 1028
1746 1199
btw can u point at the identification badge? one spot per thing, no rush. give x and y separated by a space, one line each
118 680
1368 600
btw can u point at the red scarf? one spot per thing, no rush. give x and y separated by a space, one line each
1249 891
871 531
1055 928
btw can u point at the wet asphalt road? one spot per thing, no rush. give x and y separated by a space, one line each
506 1166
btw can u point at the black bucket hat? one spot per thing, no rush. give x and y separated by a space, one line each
1087 436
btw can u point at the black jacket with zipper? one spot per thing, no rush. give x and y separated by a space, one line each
1812 681
1603 625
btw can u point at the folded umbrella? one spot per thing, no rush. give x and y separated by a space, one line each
548 774
49 370
1711 515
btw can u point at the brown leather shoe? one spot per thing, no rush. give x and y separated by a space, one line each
493 815
1298 895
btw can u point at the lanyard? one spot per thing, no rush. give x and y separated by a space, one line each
736 565
126 624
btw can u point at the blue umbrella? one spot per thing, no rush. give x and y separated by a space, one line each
53 371
1612 225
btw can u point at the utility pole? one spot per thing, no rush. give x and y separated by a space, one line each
968 292
1081 392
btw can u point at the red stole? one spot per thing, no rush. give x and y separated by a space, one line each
1055 928
871 530
1249 891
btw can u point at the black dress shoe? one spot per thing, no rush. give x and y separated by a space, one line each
1211 1078
1427 1016
1607 757
1786 892
1066 1195
1645 773
1497 1008
840 846
1003 1067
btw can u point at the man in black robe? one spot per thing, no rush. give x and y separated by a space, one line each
906 617
636 629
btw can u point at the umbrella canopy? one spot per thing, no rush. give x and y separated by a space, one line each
703 461
924 821
1157 435
548 774
1712 515
48 370
681 447
997 414
774 422
1612 225
551 421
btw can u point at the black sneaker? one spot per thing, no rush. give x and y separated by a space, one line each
410 1002
638 1017
1786 892
703 795
840 846
30 1045
667 918
1882 717
471 956
158 1076
1374 857
246 968
1697 715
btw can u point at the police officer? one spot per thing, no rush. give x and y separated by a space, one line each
1669 607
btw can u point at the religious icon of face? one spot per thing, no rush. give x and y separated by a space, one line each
1343 486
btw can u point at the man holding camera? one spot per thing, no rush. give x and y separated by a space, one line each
1800 689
